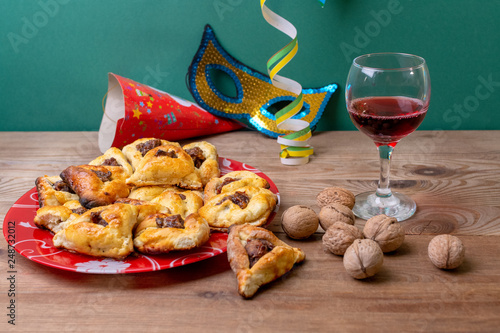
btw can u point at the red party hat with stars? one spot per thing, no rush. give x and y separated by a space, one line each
134 110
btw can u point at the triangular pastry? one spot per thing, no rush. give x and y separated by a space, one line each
136 150
144 208
96 185
182 203
232 181
205 159
258 257
162 233
53 217
166 165
116 162
103 231
248 204
53 191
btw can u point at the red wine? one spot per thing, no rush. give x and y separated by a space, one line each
386 120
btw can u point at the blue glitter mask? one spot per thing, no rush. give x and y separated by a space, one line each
255 94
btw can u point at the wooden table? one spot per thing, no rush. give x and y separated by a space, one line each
454 177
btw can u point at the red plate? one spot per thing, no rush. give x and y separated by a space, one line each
36 244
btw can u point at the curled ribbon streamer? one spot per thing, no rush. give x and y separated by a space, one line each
294 149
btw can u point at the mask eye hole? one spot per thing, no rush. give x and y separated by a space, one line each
224 83
275 105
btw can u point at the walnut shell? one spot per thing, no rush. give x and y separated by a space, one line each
363 258
299 222
446 251
339 236
335 212
386 231
335 195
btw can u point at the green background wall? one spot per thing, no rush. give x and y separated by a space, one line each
55 54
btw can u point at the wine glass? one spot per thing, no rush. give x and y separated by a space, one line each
387 97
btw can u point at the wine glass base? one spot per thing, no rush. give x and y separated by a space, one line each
397 205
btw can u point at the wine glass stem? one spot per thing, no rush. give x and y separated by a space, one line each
385 153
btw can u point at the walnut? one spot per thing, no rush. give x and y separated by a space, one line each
335 212
386 231
339 236
335 195
299 222
446 251
363 258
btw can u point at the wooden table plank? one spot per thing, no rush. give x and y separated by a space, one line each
454 177
409 294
